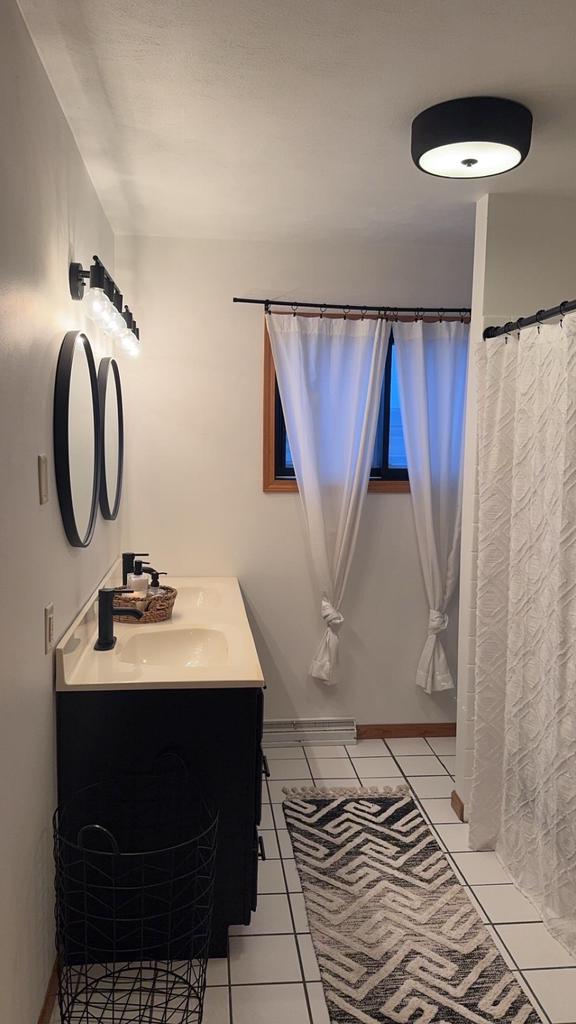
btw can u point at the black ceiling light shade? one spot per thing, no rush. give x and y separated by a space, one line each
471 138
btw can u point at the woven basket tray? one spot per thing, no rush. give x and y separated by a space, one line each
155 609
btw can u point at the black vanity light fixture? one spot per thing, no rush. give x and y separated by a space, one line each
105 304
471 138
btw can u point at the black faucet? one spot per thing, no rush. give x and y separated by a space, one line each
106 613
128 563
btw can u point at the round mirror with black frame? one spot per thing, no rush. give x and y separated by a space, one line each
77 438
112 439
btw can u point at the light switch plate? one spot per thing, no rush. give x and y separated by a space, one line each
43 479
48 628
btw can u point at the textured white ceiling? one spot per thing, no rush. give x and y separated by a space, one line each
264 119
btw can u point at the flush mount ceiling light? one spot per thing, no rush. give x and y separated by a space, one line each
471 138
104 304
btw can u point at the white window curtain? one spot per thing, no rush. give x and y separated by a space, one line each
330 373
523 800
432 361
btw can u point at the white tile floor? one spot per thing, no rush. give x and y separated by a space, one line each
271 975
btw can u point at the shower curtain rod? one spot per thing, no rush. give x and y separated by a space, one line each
440 311
528 321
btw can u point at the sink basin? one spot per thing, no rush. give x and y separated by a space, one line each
181 648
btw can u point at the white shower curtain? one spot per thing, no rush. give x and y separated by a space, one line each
432 360
523 800
330 374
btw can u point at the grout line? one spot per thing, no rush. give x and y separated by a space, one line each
485 883
354 769
230 1007
528 970
264 935
266 984
537 1005
292 918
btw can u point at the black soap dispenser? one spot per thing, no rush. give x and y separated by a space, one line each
155 589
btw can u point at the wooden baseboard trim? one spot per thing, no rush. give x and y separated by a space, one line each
457 805
47 1011
383 732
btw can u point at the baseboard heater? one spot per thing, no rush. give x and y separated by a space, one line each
282 732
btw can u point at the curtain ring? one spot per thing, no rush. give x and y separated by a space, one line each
538 320
267 306
563 311
294 308
363 312
322 311
346 311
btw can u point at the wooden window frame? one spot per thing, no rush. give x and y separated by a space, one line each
272 485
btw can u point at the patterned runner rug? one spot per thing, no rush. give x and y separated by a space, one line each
396 936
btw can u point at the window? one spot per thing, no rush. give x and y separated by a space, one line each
389 470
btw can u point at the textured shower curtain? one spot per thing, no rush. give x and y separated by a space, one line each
523 800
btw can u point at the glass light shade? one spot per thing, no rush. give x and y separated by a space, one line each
117 325
130 343
108 317
470 159
95 303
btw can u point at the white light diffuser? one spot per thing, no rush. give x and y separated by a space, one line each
470 159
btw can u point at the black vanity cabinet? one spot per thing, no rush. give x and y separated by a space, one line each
218 734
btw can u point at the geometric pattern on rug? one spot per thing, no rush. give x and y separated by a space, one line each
396 936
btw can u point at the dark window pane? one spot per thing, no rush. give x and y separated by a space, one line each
377 458
389 458
396 448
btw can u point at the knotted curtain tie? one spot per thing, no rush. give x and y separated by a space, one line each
437 622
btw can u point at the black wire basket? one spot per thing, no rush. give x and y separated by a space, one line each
135 861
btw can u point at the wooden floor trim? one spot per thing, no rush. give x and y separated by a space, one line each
383 732
47 1011
457 805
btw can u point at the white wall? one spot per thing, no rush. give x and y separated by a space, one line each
194 488
49 214
524 260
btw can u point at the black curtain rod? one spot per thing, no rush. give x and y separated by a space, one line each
528 321
267 303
